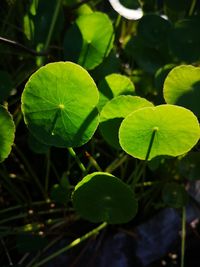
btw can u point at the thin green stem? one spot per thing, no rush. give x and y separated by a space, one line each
33 204
117 22
52 26
141 170
93 162
116 163
192 7
183 236
80 164
155 129
72 244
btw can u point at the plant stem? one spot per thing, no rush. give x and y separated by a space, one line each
53 22
192 7
80 164
183 235
72 244
116 163
138 173
93 161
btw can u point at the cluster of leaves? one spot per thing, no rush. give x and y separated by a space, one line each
122 97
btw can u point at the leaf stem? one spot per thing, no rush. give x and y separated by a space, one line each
53 22
72 244
80 164
192 7
139 171
183 236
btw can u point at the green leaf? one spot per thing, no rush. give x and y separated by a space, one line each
114 85
95 41
109 65
7 133
114 112
174 130
153 30
184 40
182 87
103 197
59 105
6 85
174 195
148 58
160 77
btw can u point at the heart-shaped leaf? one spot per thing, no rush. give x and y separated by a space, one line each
162 130
102 197
59 105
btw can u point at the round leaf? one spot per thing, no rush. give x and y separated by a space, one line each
95 35
182 87
174 195
114 112
153 30
114 85
7 133
148 58
59 105
184 40
103 197
166 129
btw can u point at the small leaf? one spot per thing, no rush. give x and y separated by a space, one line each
103 197
114 112
95 41
175 129
59 105
149 59
153 30
114 85
182 87
184 40
7 133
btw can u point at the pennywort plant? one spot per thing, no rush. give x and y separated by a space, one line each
59 104
111 109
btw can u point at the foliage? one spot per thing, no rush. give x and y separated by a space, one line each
94 108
